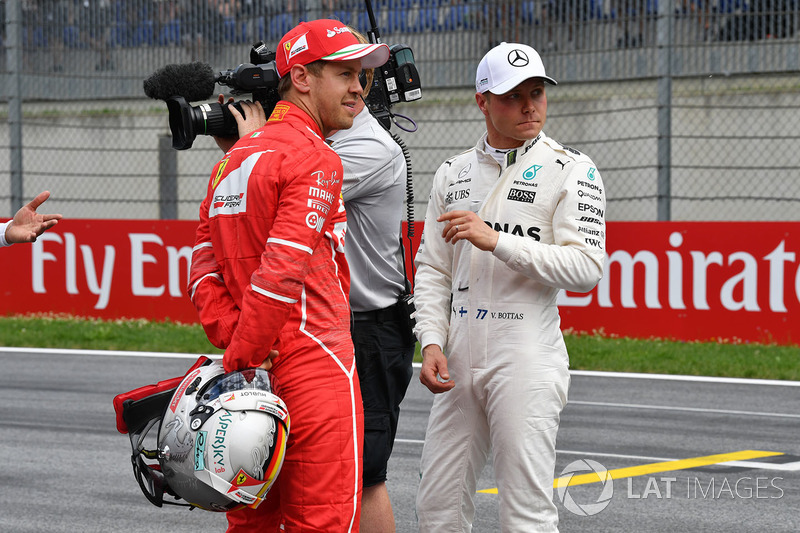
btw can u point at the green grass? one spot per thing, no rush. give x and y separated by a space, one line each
56 331
742 360
587 351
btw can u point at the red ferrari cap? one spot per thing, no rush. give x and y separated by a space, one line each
329 40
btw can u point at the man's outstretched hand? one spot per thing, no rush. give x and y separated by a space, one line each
27 224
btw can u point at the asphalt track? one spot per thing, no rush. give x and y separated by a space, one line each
685 454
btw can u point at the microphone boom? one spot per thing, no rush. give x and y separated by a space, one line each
193 81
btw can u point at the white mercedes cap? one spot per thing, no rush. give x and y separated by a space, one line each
507 65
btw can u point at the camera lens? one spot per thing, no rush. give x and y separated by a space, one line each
187 122
213 119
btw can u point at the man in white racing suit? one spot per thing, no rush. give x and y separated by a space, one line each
510 222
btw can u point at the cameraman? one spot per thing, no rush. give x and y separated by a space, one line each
373 191
268 273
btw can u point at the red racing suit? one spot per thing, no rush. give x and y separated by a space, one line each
268 271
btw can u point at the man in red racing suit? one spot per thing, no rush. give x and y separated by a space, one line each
268 273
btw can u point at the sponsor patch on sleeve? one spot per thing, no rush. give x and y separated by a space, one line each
278 112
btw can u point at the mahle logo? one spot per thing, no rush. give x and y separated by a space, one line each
588 472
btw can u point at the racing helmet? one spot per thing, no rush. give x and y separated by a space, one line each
221 440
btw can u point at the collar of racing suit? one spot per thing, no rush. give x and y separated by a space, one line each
513 154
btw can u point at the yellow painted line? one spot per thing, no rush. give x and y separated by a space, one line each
654 468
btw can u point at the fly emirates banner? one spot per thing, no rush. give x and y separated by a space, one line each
721 281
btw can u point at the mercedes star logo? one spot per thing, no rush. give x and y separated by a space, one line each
517 58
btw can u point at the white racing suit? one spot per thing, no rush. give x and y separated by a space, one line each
501 332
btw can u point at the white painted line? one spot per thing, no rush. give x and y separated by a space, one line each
410 441
573 452
587 373
616 456
785 467
107 353
689 409
700 379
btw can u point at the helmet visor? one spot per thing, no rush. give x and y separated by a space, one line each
249 379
